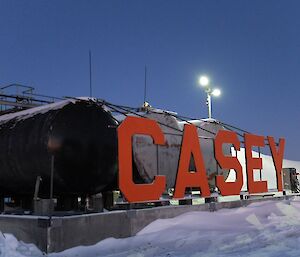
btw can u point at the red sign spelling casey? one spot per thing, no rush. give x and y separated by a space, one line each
191 146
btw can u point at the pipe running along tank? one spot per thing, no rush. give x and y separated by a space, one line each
78 133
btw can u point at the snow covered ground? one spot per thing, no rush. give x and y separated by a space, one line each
270 228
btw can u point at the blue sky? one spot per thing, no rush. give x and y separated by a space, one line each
250 49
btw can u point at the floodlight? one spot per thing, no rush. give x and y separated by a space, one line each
204 81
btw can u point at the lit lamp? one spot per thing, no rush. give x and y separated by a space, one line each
204 82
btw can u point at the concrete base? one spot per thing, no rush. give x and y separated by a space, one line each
59 233
43 207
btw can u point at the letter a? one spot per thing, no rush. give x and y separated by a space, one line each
185 178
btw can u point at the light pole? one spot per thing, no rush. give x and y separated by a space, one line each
205 83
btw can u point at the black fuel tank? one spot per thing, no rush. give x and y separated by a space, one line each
78 133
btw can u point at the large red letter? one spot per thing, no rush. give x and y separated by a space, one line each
254 163
228 162
277 159
137 192
191 146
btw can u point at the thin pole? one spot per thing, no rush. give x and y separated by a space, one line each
51 207
209 105
90 61
145 85
51 177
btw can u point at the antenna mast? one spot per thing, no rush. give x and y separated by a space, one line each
145 85
90 62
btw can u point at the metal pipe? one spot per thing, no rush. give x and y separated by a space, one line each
51 177
209 104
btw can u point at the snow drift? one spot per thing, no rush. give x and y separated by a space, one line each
269 228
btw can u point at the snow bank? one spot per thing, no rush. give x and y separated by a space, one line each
270 228
11 247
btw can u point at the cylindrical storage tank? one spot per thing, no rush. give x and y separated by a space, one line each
78 133
207 131
151 159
